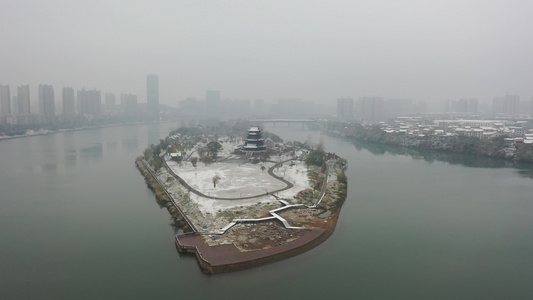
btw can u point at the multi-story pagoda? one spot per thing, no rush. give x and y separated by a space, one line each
254 141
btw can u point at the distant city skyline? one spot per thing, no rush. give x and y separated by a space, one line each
315 51
47 108
34 90
152 95
213 104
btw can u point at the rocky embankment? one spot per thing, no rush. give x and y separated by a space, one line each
162 196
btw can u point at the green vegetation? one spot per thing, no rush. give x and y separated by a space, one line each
213 148
207 160
341 177
157 163
194 161
273 137
315 157
189 131
227 214
266 155
524 153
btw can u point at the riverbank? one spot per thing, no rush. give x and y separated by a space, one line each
228 258
163 198
460 144
241 254
41 132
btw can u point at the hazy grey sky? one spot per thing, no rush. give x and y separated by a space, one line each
315 50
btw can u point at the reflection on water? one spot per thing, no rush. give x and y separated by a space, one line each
153 134
97 148
50 168
111 146
528 173
70 160
403 231
526 169
92 153
132 145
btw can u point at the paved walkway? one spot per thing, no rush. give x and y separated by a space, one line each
195 191
273 212
285 206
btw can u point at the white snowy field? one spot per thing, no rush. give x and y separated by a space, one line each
238 179
296 174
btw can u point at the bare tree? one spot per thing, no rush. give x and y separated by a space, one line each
216 179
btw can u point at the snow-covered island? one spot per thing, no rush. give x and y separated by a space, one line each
242 199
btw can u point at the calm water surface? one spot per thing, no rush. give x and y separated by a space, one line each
77 222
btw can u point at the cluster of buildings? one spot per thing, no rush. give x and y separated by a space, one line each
71 105
17 109
215 106
377 109
516 131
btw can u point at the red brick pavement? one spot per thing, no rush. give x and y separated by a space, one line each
224 258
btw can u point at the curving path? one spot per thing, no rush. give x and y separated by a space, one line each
196 192
273 213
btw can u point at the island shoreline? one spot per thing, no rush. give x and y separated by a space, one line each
228 258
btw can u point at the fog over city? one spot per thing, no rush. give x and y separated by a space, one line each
312 50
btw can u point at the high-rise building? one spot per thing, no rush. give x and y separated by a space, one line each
472 105
128 103
15 105
508 104
464 105
23 94
397 107
239 108
5 100
47 108
110 103
371 109
212 102
291 108
89 103
259 107
461 105
69 109
345 108
152 95
191 106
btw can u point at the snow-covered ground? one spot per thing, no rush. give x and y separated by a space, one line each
238 179
296 174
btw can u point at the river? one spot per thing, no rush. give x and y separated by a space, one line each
77 222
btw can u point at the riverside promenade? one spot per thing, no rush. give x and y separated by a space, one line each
227 258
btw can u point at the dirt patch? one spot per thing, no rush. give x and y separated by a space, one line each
256 236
